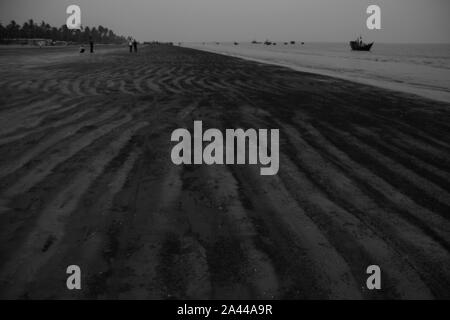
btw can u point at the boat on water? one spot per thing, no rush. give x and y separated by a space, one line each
359 45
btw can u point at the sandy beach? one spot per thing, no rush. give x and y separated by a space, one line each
86 178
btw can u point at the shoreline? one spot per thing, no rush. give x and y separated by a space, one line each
390 85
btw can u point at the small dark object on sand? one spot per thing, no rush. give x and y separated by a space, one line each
236 43
292 42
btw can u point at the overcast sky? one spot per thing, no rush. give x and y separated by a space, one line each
246 20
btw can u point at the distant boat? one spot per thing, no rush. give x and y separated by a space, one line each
359 45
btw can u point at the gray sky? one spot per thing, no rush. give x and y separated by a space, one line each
241 20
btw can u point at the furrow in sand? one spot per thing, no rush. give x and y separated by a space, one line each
48 142
10 120
144 237
389 116
50 85
64 87
414 185
256 268
38 172
294 240
13 102
374 185
152 85
42 128
123 87
402 221
428 138
349 211
35 251
433 155
76 86
180 265
336 182
89 239
38 119
440 177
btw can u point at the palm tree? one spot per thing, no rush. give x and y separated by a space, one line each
2 31
42 30
86 34
64 33
32 28
48 31
94 34
106 34
55 35
101 33
12 30
110 36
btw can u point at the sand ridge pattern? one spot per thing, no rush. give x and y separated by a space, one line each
86 179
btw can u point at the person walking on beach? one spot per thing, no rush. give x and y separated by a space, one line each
91 44
135 45
130 44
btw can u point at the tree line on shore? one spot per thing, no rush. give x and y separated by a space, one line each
32 30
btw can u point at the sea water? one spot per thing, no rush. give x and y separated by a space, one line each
422 69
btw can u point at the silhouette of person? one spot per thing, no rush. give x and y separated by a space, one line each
130 44
91 44
135 45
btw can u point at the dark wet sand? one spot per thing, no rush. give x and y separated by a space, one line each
86 179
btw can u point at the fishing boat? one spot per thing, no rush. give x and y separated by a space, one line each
359 45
